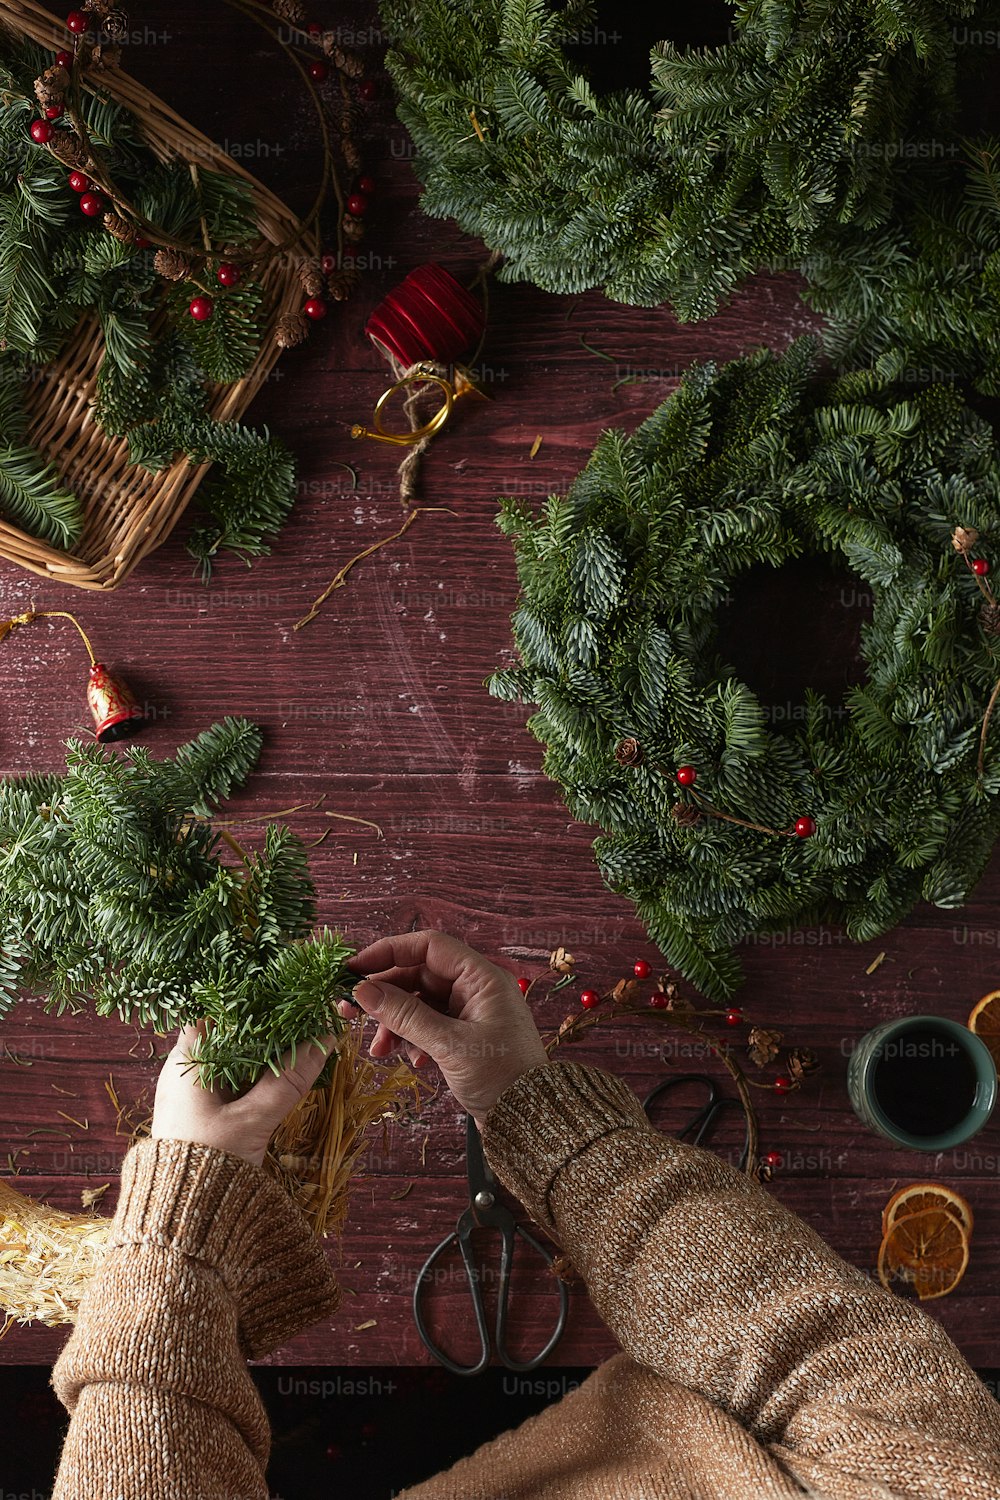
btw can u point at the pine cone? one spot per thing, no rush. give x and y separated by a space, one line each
351 154
117 226
69 149
172 265
348 62
628 752
989 617
762 1045
685 814
964 538
115 21
311 277
52 86
103 59
354 229
289 10
100 8
290 330
801 1062
561 961
340 284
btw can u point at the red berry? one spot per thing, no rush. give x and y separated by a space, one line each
141 242
356 204
782 1083
77 22
523 985
659 1000
64 59
318 71
734 1017
315 308
228 274
980 566
40 132
334 1451
91 204
201 309
773 1159
328 264
366 185
368 89
641 969
79 182
804 828
686 775
53 111
314 28
589 999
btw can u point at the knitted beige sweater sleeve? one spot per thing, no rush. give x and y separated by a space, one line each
763 1363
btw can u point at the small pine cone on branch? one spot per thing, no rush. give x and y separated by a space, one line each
351 154
105 58
685 814
100 8
118 226
69 149
628 752
989 617
171 265
964 538
289 10
340 284
354 229
348 62
51 87
311 277
290 330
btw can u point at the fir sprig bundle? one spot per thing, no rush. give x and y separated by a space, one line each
822 137
622 580
113 894
57 266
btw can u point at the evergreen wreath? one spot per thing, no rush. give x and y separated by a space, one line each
112 894
56 265
802 144
716 824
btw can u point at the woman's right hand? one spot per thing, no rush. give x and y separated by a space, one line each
446 1002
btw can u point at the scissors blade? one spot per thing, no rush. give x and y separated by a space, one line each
482 1183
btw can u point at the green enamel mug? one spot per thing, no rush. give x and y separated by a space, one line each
923 1082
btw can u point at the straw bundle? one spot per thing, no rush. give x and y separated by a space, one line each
128 512
48 1257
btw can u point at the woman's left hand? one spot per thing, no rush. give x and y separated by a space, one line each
243 1124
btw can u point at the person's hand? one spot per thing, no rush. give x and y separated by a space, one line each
444 1001
243 1125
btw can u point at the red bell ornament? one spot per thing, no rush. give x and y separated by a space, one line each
429 315
113 704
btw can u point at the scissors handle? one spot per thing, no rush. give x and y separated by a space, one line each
462 1236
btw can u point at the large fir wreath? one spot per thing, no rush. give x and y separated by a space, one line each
760 462
822 138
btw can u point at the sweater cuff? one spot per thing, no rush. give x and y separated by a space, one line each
229 1214
548 1116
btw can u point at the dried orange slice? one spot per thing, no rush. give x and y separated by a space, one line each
922 1195
985 1022
928 1250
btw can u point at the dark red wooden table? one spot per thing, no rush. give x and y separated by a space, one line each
379 704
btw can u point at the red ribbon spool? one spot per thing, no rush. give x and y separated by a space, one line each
429 315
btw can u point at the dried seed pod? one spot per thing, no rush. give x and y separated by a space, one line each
351 154
685 814
989 617
353 228
118 226
340 284
561 961
964 538
762 1045
51 87
349 63
801 1062
289 10
290 330
104 58
171 265
70 149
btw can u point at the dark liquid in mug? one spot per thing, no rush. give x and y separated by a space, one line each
924 1081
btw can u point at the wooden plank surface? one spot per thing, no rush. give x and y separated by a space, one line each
379 705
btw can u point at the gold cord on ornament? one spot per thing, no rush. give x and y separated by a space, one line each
6 626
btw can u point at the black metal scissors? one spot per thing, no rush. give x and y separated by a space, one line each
700 1123
485 1211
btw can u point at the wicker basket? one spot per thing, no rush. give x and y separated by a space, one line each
128 511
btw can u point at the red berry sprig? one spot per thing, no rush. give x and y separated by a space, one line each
524 985
314 308
77 22
589 999
773 1159
228 274
91 204
79 182
64 59
980 567
641 969
686 776
201 309
803 828
53 111
41 132
318 71
734 1016
782 1084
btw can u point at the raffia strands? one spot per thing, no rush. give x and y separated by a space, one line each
129 512
48 1256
